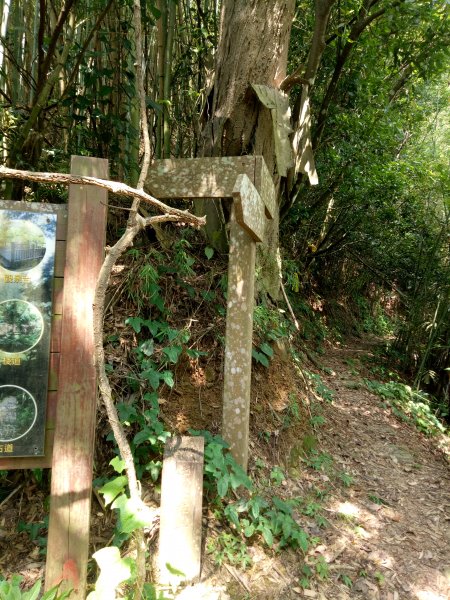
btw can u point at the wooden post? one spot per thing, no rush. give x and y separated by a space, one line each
68 536
180 537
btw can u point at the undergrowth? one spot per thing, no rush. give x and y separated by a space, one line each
408 405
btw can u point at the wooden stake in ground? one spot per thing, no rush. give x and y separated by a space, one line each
68 537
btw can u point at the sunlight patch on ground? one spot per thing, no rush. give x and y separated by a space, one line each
426 595
348 509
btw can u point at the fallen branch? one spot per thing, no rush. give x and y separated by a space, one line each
115 187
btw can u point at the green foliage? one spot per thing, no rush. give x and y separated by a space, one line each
314 567
320 388
37 533
408 405
319 461
373 318
116 571
346 580
229 548
269 326
131 515
12 590
263 354
346 479
222 472
255 514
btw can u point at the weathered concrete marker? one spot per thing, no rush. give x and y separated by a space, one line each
246 180
180 537
246 228
238 348
249 208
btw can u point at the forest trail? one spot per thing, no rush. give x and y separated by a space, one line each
390 530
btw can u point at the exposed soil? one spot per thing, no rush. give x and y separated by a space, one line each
388 536
402 543
385 490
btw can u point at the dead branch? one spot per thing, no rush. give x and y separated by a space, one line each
121 189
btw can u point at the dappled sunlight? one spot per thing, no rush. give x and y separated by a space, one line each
348 509
427 595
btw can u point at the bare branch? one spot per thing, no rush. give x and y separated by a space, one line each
115 187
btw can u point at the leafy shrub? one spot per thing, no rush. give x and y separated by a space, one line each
408 405
253 514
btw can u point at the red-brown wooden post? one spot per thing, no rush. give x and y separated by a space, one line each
68 536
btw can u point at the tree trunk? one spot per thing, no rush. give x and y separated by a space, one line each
253 48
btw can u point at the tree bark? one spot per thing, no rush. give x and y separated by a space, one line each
253 48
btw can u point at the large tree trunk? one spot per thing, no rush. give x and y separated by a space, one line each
253 49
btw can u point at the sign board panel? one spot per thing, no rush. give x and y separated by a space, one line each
27 256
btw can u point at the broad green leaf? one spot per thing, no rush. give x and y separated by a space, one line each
147 347
33 593
135 322
153 326
173 353
260 357
222 485
145 435
113 488
174 571
282 505
267 349
152 377
267 535
117 464
249 530
302 540
133 514
167 377
55 594
114 570
232 514
209 252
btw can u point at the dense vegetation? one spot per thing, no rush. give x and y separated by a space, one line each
376 226
364 250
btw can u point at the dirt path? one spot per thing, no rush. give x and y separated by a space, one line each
391 527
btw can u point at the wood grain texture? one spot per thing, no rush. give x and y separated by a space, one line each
68 537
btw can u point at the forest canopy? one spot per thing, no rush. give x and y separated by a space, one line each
362 182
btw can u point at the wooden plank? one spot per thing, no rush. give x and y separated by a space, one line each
52 402
60 258
53 373
68 537
198 177
238 347
55 340
180 537
249 208
58 283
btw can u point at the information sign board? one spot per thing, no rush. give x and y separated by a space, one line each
27 257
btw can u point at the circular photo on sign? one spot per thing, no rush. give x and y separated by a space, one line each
22 244
21 326
18 412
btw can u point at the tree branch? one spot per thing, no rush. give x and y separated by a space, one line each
115 187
